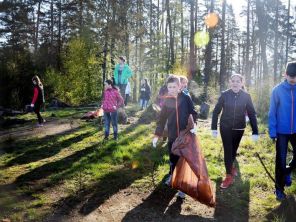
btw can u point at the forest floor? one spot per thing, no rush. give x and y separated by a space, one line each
64 172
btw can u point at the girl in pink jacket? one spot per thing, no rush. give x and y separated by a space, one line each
112 100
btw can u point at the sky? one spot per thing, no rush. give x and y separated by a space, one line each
238 6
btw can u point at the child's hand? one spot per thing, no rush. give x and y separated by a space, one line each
32 105
154 142
114 107
255 137
215 133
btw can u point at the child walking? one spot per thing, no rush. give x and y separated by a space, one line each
112 100
282 128
38 99
175 111
145 93
234 102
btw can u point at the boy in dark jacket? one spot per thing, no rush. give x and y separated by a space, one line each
176 110
282 128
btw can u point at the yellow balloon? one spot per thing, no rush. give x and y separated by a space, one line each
201 38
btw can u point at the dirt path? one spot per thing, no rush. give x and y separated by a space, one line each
133 205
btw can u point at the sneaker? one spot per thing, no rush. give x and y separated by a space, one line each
39 125
227 181
168 181
180 195
280 195
288 180
234 172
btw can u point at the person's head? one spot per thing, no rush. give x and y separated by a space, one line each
36 81
291 72
236 82
146 82
109 84
121 59
173 84
184 82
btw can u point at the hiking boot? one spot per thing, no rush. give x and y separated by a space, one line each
280 195
227 181
180 195
168 181
234 172
288 180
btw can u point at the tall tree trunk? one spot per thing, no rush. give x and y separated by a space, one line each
59 48
182 34
222 79
192 60
37 26
208 56
288 33
171 48
247 63
276 42
262 24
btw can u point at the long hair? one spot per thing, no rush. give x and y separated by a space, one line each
38 81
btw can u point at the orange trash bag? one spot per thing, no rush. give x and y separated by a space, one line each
191 174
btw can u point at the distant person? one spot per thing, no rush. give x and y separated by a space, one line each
38 99
234 103
145 93
127 93
282 128
184 85
162 93
122 73
175 111
112 100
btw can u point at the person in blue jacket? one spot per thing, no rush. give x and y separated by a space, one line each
122 73
282 128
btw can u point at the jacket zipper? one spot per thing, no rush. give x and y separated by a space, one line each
234 111
292 109
177 115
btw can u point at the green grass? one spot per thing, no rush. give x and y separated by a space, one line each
38 174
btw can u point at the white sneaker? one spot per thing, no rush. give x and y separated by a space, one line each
39 125
168 181
181 195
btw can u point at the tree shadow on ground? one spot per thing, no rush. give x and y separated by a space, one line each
72 164
232 204
286 211
161 205
48 149
89 199
15 147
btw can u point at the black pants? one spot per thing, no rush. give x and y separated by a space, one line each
126 99
122 89
230 139
37 111
281 170
173 158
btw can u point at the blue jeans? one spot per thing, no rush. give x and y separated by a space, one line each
143 103
281 170
110 117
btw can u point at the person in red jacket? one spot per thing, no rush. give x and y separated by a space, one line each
38 98
112 100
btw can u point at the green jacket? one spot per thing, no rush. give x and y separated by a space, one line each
126 73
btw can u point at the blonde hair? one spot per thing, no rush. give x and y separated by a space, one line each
237 75
37 80
183 78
